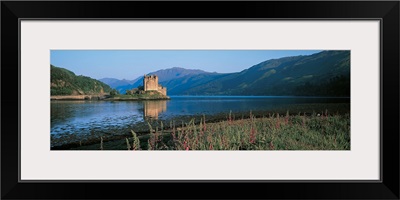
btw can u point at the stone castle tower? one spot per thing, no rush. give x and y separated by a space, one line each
150 83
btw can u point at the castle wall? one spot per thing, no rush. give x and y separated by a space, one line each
162 90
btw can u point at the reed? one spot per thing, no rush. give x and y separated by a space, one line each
320 131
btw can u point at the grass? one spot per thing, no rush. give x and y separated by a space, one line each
273 132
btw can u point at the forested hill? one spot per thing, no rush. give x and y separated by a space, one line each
65 82
322 74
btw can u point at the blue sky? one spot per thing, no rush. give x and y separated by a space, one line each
129 64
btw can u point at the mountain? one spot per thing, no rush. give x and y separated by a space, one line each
179 86
324 74
65 82
164 76
113 82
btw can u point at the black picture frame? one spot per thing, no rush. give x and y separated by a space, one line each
386 11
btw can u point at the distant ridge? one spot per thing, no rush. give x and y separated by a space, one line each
164 75
326 73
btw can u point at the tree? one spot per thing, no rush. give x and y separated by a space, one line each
128 92
114 92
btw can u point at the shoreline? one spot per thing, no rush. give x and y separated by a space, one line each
142 128
102 98
136 98
78 97
109 98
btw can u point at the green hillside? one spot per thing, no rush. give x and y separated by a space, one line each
65 82
322 74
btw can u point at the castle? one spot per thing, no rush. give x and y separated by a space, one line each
150 83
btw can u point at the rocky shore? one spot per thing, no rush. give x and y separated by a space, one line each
78 97
108 97
132 98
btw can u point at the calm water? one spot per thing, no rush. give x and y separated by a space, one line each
85 117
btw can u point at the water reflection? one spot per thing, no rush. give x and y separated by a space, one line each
84 117
151 109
